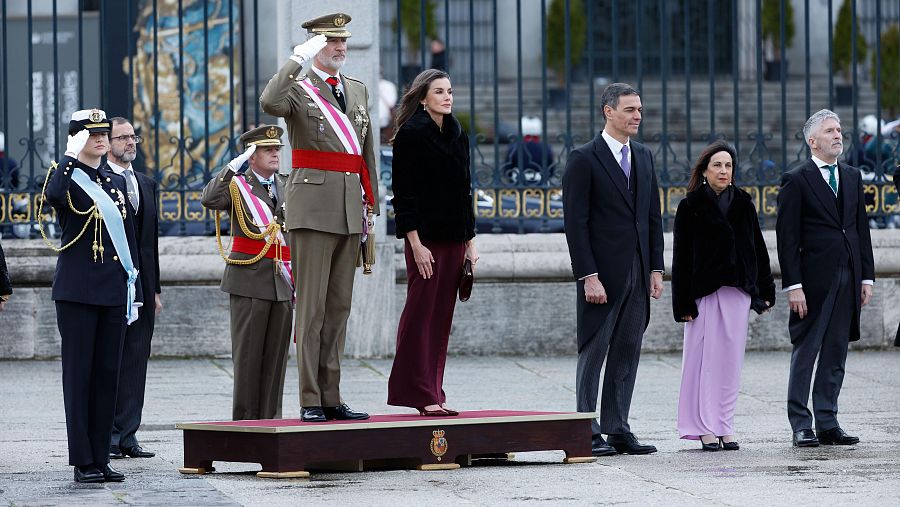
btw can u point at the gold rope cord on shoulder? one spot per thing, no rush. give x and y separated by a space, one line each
270 233
93 212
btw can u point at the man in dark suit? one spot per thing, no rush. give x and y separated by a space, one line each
96 288
142 196
828 271
613 228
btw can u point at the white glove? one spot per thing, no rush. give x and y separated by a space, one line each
310 48
239 160
135 312
76 143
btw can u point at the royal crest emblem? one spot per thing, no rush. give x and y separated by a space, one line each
95 116
271 132
340 20
438 443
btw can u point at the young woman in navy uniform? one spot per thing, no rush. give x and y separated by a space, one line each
95 286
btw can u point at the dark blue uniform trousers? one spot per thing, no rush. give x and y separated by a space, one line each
92 338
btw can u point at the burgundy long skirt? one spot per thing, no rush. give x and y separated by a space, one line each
417 376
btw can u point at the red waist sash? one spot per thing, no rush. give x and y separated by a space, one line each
335 161
252 247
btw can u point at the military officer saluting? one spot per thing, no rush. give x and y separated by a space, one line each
257 272
332 187
96 289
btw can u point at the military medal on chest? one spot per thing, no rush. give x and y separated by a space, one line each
361 119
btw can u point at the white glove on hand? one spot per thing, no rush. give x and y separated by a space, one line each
310 48
135 313
76 143
239 160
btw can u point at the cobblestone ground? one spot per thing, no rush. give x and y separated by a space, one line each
766 471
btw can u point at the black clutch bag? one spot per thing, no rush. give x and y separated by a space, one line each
466 280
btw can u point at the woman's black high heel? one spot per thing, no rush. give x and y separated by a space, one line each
712 446
729 446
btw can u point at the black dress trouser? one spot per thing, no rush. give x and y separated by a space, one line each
825 348
92 338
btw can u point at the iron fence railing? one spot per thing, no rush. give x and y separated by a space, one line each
189 73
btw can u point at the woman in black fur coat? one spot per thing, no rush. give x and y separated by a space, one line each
720 270
433 214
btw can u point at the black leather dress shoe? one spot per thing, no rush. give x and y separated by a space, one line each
599 447
110 474
343 413
136 452
115 452
805 438
836 436
88 474
627 443
312 414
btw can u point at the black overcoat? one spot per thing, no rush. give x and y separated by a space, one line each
431 182
713 250
606 225
813 238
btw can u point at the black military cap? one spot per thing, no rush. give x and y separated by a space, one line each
264 135
329 25
92 120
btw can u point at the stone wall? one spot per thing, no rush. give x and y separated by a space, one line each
523 302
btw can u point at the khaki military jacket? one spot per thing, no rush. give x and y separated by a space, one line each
325 201
258 280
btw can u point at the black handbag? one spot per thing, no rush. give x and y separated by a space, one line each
466 281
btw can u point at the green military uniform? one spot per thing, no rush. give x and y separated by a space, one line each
324 216
261 298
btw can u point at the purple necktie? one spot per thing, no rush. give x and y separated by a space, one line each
626 165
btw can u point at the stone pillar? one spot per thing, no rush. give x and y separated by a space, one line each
371 329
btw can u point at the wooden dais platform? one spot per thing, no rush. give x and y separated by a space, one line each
290 448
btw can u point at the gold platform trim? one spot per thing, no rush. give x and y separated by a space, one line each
192 471
418 422
578 459
300 474
438 466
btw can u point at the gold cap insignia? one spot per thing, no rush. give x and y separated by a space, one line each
340 20
96 115
272 133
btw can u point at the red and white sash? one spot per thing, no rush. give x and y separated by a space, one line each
339 121
262 216
341 126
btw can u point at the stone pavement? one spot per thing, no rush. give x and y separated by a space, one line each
766 471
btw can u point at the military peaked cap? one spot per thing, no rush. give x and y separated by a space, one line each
329 25
264 135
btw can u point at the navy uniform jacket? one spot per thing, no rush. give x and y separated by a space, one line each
78 278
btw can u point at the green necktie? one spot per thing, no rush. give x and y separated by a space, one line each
832 181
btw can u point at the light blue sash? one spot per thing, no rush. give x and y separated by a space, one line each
112 215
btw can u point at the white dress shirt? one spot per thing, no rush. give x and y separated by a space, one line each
121 172
324 75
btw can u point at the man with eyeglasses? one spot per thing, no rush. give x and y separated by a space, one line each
142 196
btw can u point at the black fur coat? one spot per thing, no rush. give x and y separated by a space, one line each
431 182
712 250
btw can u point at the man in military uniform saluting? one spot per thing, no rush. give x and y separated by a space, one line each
96 289
332 187
257 272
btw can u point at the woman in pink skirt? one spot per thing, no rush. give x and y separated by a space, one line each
434 215
720 271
